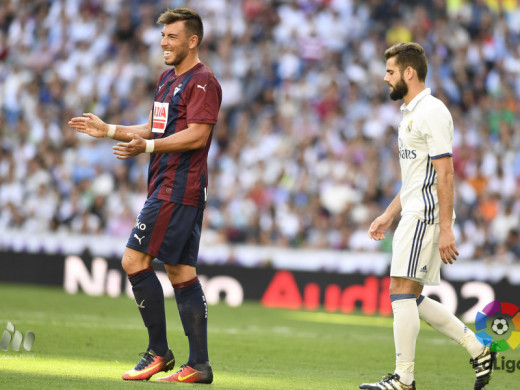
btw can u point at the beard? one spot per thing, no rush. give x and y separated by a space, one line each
178 57
399 91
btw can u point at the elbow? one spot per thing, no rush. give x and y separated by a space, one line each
200 144
446 173
449 174
446 178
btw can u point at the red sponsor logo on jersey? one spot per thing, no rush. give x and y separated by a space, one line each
160 116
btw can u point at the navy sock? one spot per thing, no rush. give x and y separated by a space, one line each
149 297
193 311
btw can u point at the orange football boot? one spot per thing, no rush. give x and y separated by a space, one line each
149 365
199 373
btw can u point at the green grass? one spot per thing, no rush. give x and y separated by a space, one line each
87 342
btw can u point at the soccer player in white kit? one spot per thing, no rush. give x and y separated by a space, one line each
424 236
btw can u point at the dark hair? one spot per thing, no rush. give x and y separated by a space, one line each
409 54
191 19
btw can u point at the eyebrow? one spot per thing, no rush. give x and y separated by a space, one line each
170 34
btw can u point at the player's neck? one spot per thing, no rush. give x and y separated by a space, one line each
413 91
188 63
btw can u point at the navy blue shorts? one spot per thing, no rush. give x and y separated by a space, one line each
168 231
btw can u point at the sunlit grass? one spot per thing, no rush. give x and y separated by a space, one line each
87 342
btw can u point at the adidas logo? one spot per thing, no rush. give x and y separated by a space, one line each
423 269
15 338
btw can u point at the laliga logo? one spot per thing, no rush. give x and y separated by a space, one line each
502 317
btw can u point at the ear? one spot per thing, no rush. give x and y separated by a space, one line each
409 73
193 41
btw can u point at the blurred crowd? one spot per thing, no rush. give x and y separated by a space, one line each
305 151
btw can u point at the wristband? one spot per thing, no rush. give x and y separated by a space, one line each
149 146
111 131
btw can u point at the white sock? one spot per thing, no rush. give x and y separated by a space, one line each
406 330
440 318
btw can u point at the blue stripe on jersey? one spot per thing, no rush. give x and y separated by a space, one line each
182 169
429 203
181 172
415 252
163 161
181 175
153 156
158 90
441 155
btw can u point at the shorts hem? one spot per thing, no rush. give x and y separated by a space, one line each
424 282
138 249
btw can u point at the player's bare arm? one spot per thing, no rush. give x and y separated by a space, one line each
382 223
95 127
194 137
444 168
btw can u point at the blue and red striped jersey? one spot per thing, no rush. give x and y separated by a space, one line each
192 97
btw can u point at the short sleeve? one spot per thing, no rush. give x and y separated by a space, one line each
204 100
437 129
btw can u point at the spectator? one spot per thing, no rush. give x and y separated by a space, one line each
304 150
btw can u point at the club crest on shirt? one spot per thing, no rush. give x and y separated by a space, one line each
177 89
409 127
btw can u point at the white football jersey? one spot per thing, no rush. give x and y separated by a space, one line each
425 133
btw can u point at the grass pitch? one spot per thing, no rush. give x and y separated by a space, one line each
87 342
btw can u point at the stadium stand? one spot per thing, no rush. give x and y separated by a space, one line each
304 153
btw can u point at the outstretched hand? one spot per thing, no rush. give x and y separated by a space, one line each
124 150
89 124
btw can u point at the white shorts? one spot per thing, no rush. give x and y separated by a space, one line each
415 251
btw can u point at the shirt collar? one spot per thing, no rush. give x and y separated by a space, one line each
410 106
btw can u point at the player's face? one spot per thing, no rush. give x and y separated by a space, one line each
174 43
394 79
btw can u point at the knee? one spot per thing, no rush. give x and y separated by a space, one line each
127 265
180 273
132 264
394 287
172 272
404 286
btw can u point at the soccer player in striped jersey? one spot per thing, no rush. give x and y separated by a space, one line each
177 137
424 236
